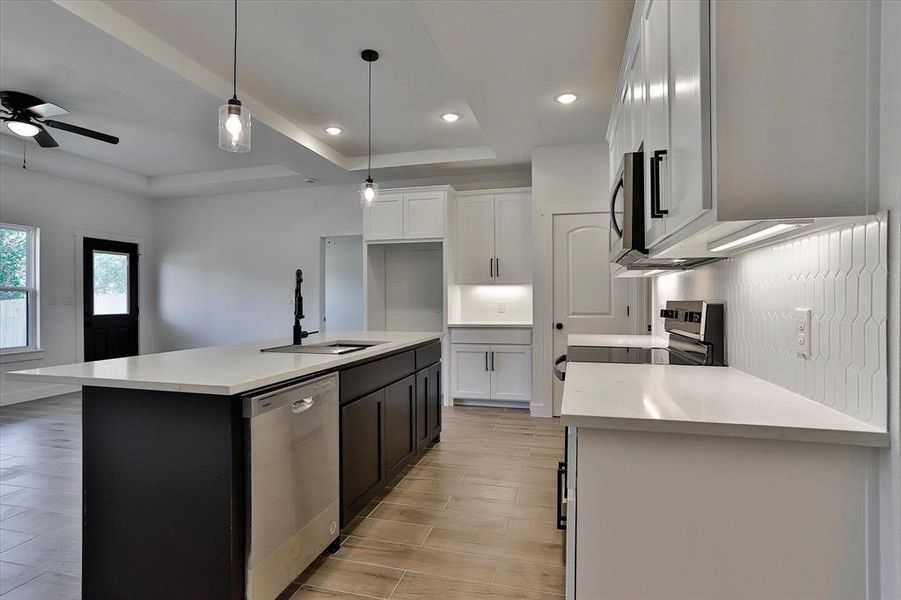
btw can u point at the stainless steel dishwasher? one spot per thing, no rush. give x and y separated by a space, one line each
292 502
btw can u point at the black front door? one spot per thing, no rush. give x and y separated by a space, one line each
110 299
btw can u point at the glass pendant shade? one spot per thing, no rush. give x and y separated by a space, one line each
234 127
369 193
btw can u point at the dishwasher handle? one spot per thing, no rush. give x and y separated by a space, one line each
302 405
299 397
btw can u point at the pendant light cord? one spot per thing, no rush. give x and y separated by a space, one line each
369 169
235 57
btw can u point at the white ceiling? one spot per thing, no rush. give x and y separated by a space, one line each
154 73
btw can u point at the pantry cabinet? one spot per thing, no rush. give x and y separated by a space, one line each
410 214
494 238
727 103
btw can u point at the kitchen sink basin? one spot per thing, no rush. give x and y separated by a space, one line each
332 348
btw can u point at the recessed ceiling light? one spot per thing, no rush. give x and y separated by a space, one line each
451 117
567 98
334 130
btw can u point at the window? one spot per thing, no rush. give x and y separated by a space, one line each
18 288
110 283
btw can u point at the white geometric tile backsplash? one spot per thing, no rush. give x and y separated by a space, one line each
840 274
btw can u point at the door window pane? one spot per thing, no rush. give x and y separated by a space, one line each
110 283
13 319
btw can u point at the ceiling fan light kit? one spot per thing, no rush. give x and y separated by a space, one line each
234 119
369 190
26 115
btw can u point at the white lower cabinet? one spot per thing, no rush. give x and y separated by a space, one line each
482 370
511 372
471 376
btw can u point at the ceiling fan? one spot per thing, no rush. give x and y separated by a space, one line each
26 116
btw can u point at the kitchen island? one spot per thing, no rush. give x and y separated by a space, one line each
199 465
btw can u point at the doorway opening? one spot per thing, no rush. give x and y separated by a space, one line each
342 283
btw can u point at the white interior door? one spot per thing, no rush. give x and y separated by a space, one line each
587 298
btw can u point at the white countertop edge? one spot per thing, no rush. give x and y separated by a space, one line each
329 364
483 325
875 438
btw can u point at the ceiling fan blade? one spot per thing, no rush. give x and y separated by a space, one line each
47 109
109 139
44 139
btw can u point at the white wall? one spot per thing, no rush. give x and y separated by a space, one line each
565 179
343 283
227 262
890 199
61 208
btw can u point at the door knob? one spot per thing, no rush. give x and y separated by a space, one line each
559 325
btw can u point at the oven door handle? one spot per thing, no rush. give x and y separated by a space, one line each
559 373
561 490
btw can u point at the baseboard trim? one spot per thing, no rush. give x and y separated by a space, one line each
36 393
492 403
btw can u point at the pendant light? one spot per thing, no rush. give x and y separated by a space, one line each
234 119
369 191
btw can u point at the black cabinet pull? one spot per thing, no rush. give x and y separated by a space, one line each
497 267
491 267
492 360
656 211
486 361
561 491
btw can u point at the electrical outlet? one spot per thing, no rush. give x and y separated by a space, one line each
52 300
69 301
802 331
502 307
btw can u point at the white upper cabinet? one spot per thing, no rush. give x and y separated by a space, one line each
513 238
494 238
407 215
748 114
384 220
475 239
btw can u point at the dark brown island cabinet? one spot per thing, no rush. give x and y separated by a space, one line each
166 473
390 412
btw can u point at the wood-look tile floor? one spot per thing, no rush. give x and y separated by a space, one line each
471 519
40 499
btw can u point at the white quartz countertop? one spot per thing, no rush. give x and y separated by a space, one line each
607 340
491 324
718 401
224 370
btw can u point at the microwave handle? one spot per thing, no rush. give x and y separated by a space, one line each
613 223
656 211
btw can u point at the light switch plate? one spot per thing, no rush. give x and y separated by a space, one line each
802 331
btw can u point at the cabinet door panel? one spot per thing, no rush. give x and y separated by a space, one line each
511 372
471 377
424 215
689 174
400 443
475 239
434 401
362 464
513 238
384 220
422 416
655 41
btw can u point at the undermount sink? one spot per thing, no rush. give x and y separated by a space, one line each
334 348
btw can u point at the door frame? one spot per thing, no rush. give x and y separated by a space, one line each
144 344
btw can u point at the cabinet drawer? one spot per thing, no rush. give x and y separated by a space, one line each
428 355
489 335
368 377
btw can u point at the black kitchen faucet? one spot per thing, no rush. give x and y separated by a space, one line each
299 333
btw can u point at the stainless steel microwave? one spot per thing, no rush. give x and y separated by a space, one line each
627 218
